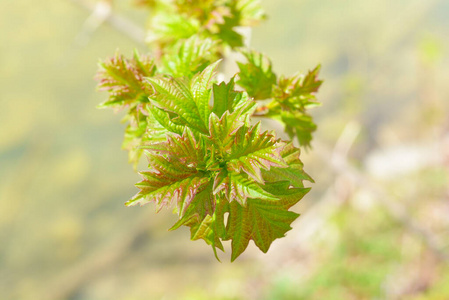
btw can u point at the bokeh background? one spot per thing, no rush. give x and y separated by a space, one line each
375 226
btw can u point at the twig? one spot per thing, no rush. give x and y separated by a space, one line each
341 166
101 13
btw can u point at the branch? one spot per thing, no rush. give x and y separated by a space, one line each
340 165
102 12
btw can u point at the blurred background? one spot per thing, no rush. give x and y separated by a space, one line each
374 226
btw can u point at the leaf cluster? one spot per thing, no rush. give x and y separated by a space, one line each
218 20
290 96
225 178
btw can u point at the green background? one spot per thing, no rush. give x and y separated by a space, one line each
65 233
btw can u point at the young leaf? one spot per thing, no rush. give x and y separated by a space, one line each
237 187
298 91
224 97
123 79
173 174
188 101
133 139
222 131
164 120
201 90
167 27
174 95
299 125
184 149
227 99
256 76
261 220
294 173
205 217
291 97
252 151
250 12
190 56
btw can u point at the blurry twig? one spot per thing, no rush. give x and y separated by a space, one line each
341 166
315 217
101 13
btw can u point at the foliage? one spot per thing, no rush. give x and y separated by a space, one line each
225 177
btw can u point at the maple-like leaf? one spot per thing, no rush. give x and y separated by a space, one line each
163 119
201 90
182 148
133 139
298 92
143 129
174 173
123 79
250 12
205 217
227 99
292 96
190 56
256 76
299 125
224 97
238 187
262 220
222 130
294 173
253 151
239 13
187 100
167 27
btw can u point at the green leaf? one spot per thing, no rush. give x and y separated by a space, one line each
174 173
291 98
203 204
205 217
167 27
310 84
142 129
228 35
224 97
256 76
294 173
199 9
238 187
252 151
124 80
133 139
250 12
182 149
190 56
299 125
227 99
222 131
165 190
262 220
297 92
201 89
163 118
174 95
188 101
